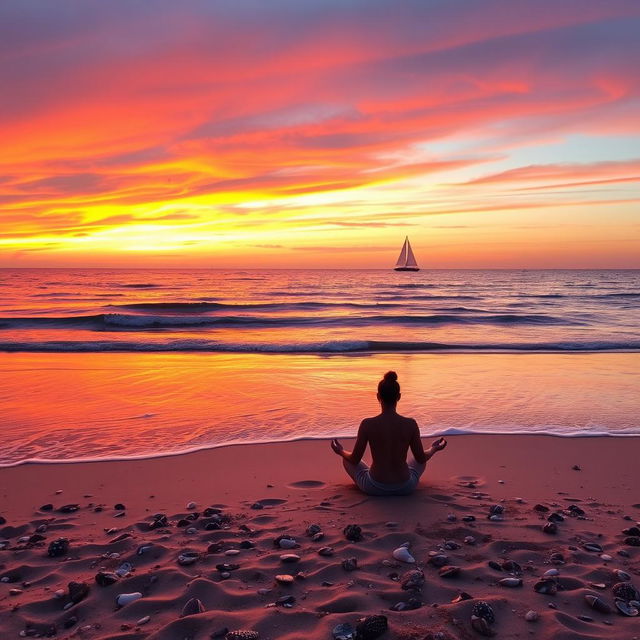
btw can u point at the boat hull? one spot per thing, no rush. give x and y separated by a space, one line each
407 269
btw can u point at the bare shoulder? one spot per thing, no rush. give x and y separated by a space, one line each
410 422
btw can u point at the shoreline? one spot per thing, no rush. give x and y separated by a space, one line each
425 435
259 492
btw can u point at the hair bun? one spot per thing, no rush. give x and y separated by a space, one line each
390 376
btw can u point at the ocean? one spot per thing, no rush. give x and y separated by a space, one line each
107 363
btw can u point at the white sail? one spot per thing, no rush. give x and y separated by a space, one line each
411 259
402 258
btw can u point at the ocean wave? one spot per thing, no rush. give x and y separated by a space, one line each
116 321
206 306
330 346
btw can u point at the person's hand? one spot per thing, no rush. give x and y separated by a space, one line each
439 444
337 447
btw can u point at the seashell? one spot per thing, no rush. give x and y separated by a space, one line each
350 564
352 532
242 635
188 557
449 571
289 557
284 578
551 528
531 616
550 573
461 597
598 604
288 543
193 606
403 555
143 620
325 551
412 580
623 576
482 609
371 627
439 560
343 632
511 566
127 598
593 547
312 529
626 609
58 548
104 578
510 582
546 586
625 591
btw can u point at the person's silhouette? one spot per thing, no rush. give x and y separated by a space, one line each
389 436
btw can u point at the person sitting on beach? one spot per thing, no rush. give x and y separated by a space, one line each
389 436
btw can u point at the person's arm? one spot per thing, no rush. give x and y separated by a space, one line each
358 450
417 449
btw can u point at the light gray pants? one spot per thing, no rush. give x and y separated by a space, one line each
361 476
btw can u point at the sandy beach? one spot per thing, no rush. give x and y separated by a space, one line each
222 543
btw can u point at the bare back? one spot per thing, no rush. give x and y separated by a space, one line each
390 435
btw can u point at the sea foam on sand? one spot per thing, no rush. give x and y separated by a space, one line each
224 552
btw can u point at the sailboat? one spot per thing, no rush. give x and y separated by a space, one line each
406 259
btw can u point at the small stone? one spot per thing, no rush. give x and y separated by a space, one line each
285 601
284 578
231 552
188 557
510 582
78 591
352 532
312 529
350 564
104 578
531 616
58 548
15 592
371 627
449 571
241 635
343 632
119 507
325 551
143 620
592 547
127 598
550 528
289 557
191 505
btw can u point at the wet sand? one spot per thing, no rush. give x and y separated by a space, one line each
247 496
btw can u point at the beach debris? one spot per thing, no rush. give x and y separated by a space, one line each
409 605
551 528
510 582
593 547
449 571
461 597
439 560
621 575
313 529
412 580
159 521
105 578
371 627
548 586
285 601
124 599
289 557
403 554
352 532
597 603
325 551
531 616
350 564
188 557
78 591
625 591
68 508
626 608
58 547
482 617
242 635
343 631
193 606
284 578
285 542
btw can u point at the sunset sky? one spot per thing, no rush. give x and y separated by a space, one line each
307 133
